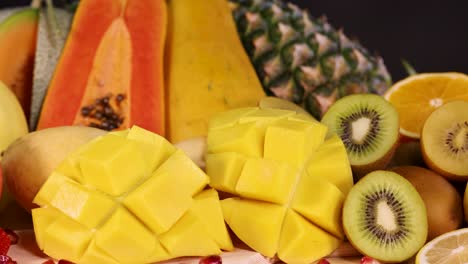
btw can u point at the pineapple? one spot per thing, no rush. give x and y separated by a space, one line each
304 59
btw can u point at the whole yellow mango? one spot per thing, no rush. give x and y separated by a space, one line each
208 69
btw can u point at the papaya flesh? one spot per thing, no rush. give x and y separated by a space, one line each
18 34
110 72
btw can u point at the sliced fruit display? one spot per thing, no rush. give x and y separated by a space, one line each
29 161
128 198
53 28
110 73
444 140
443 203
450 248
368 126
384 217
12 120
208 70
417 96
288 183
18 33
304 59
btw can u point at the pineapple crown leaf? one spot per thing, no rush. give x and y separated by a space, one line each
408 67
36 3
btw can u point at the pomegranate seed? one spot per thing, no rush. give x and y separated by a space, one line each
6 260
62 261
369 260
14 238
323 261
49 261
215 259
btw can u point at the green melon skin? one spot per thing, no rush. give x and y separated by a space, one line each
51 36
11 16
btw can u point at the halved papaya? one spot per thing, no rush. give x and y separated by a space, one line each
110 73
18 34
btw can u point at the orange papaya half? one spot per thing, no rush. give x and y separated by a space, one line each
18 35
110 72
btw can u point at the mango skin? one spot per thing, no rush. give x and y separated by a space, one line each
208 69
287 182
128 197
29 161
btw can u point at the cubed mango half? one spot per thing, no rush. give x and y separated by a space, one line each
288 181
128 197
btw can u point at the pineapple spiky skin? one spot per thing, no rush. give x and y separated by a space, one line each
304 59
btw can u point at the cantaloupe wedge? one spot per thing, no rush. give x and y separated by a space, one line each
17 48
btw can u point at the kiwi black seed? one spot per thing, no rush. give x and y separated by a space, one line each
369 126
444 140
384 217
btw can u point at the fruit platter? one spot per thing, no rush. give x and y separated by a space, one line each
221 131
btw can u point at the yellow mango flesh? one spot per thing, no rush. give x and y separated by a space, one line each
128 198
289 192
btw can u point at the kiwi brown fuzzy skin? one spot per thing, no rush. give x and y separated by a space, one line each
465 203
443 202
380 164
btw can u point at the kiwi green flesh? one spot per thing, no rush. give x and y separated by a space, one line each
367 124
384 217
445 138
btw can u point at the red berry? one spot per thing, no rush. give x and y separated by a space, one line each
214 259
4 259
323 261
369 260
5 242
62 261
14 238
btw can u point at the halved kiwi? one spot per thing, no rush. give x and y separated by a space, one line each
368 126
444 140
384 217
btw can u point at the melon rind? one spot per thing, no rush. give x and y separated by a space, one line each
49 46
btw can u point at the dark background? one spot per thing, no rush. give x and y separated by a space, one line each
431 35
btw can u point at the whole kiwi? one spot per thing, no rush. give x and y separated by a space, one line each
443 202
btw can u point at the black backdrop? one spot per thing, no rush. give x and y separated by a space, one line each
431 35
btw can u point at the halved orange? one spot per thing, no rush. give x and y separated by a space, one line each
417 96
450 248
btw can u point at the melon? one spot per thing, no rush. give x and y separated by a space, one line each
53 28
17 48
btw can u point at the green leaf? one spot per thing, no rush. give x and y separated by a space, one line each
408 67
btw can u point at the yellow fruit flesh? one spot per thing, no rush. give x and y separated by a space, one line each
12 119
123 216
450 248
290 189
208 69
444 140
416 97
